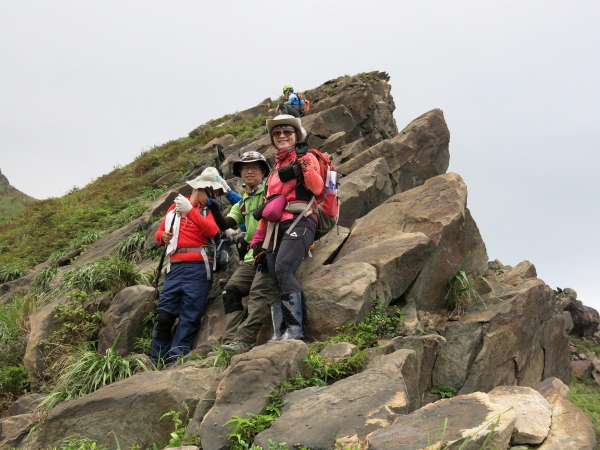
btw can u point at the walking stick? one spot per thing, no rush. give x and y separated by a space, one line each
162 260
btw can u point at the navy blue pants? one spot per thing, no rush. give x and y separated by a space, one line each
184 295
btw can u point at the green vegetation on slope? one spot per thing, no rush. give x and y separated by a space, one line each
12 201
106 204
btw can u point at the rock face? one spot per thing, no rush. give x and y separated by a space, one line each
132 408
354 406
438 210
244 387
467 415
517 339
418 153
124 320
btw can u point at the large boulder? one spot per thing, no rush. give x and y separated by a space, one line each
42 326
124 320
14 429
438 209
356 405
324 252
571 428
417 153
336 295
398 261
472 415
363 190
131 409
244 387
534 413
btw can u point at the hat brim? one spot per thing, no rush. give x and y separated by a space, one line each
201 184
237 166
286 119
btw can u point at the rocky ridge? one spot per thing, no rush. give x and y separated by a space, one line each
405 228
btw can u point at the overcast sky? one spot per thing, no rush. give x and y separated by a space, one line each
86 86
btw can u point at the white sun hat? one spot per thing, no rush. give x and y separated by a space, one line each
286 119
209 177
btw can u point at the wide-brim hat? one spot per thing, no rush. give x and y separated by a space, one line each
286 119
208 178
249 157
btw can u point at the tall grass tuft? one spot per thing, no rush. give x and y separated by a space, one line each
112 273
132 247
86 371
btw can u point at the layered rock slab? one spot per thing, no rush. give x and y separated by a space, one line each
417 153
438 209
356 405
470 415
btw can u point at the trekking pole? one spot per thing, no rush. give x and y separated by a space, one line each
162 260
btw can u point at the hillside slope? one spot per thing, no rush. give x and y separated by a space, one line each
12 201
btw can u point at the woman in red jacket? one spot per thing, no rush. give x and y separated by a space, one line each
284 241
189 275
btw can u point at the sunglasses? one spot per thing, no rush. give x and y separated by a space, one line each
287 131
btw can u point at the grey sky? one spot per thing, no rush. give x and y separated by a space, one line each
86 86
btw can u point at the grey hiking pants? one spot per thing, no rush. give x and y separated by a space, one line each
261 288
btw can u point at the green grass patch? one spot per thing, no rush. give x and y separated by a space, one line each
585 346
85 371
586 395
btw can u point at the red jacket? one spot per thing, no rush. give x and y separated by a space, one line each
194 231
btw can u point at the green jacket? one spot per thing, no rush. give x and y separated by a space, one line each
250 203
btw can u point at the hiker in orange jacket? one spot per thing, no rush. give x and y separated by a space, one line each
284 239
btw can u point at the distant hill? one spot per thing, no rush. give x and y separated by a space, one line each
12 201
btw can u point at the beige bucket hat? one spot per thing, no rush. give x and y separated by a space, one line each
286 119
209 177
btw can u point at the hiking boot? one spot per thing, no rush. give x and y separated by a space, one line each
292 306
237 347
277 320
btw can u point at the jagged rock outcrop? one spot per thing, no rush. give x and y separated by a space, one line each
438 209
418 153
405 228
517 338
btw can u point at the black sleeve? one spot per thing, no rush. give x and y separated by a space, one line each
224 223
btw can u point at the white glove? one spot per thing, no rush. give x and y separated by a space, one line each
226 187
183 204
231 233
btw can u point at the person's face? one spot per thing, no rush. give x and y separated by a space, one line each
252 174
284 136
199 196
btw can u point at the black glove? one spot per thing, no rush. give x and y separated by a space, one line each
212 203
259 254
